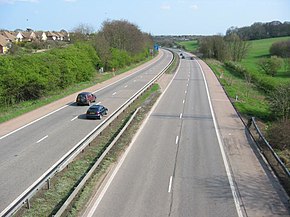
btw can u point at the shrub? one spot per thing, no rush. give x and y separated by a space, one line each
32 76
270 66
278 135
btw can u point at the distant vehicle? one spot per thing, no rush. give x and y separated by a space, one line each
96 112
192 58
85 98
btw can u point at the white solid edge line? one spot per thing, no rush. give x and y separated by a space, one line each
226 164
26 125
104 190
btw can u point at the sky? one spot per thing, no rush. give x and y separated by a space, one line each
157 17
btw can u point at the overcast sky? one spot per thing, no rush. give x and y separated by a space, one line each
158 17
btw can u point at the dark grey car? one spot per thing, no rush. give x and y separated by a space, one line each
96 112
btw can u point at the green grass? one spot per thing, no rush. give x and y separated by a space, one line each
190 46
260 49
251 101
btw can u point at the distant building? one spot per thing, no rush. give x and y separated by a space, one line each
4 44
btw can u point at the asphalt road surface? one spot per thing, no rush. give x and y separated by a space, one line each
175 166
29 152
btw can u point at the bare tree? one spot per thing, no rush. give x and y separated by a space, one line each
82 32
237 47
102 47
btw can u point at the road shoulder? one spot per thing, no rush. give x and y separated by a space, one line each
259 191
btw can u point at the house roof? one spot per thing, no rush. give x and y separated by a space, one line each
8 35
26 34
3 40
39 33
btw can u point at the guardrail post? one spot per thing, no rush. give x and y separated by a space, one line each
48 183
250 121
28 204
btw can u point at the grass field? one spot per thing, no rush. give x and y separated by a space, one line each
190 46
260 49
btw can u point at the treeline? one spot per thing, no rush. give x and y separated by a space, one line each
261 30
224 48
32 76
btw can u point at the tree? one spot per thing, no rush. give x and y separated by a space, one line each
270 65
280 102
214 47
102 47
123 35
237 47
82 32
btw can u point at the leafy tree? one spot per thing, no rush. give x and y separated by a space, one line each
123 35
280 102
214 47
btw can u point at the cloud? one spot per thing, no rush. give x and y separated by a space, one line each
193 7
165 7
15 1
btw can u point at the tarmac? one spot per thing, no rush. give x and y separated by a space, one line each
259 192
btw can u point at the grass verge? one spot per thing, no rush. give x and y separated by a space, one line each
172 68
247 98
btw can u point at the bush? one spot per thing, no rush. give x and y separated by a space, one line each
278 135
270 66
32 76
281 49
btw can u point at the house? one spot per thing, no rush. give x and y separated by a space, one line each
60 36
28 36
4 44
18 36
51 36
41 36
8 35
65 35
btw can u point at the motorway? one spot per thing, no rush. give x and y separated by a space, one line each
29 152
190 157
175 166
